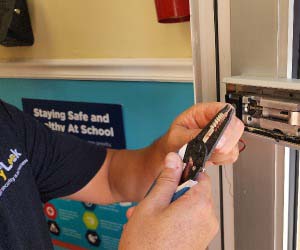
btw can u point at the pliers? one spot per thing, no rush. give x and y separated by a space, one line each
198 150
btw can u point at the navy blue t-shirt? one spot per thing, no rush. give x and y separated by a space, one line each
36 165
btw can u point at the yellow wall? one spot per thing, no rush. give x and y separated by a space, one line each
101 29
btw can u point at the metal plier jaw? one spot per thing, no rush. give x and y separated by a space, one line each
199 150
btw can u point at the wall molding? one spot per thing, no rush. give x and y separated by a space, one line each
166 70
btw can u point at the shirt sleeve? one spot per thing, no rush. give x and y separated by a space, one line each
62 164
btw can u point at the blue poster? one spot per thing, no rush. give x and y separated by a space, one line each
97 123
77 225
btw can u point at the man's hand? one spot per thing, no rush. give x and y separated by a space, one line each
187 223
189 124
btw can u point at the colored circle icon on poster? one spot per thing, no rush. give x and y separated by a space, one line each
89 206
53 227
125 204
50 211
93 238
90 220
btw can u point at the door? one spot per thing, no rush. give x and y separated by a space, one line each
255 199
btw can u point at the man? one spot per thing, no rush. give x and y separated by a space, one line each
37 164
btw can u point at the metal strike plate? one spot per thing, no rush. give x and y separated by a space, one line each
269 112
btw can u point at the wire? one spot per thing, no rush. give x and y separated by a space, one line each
243 145
228 182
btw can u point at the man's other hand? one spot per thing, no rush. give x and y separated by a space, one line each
188 223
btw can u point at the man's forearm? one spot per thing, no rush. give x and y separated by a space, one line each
125 175
131 172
